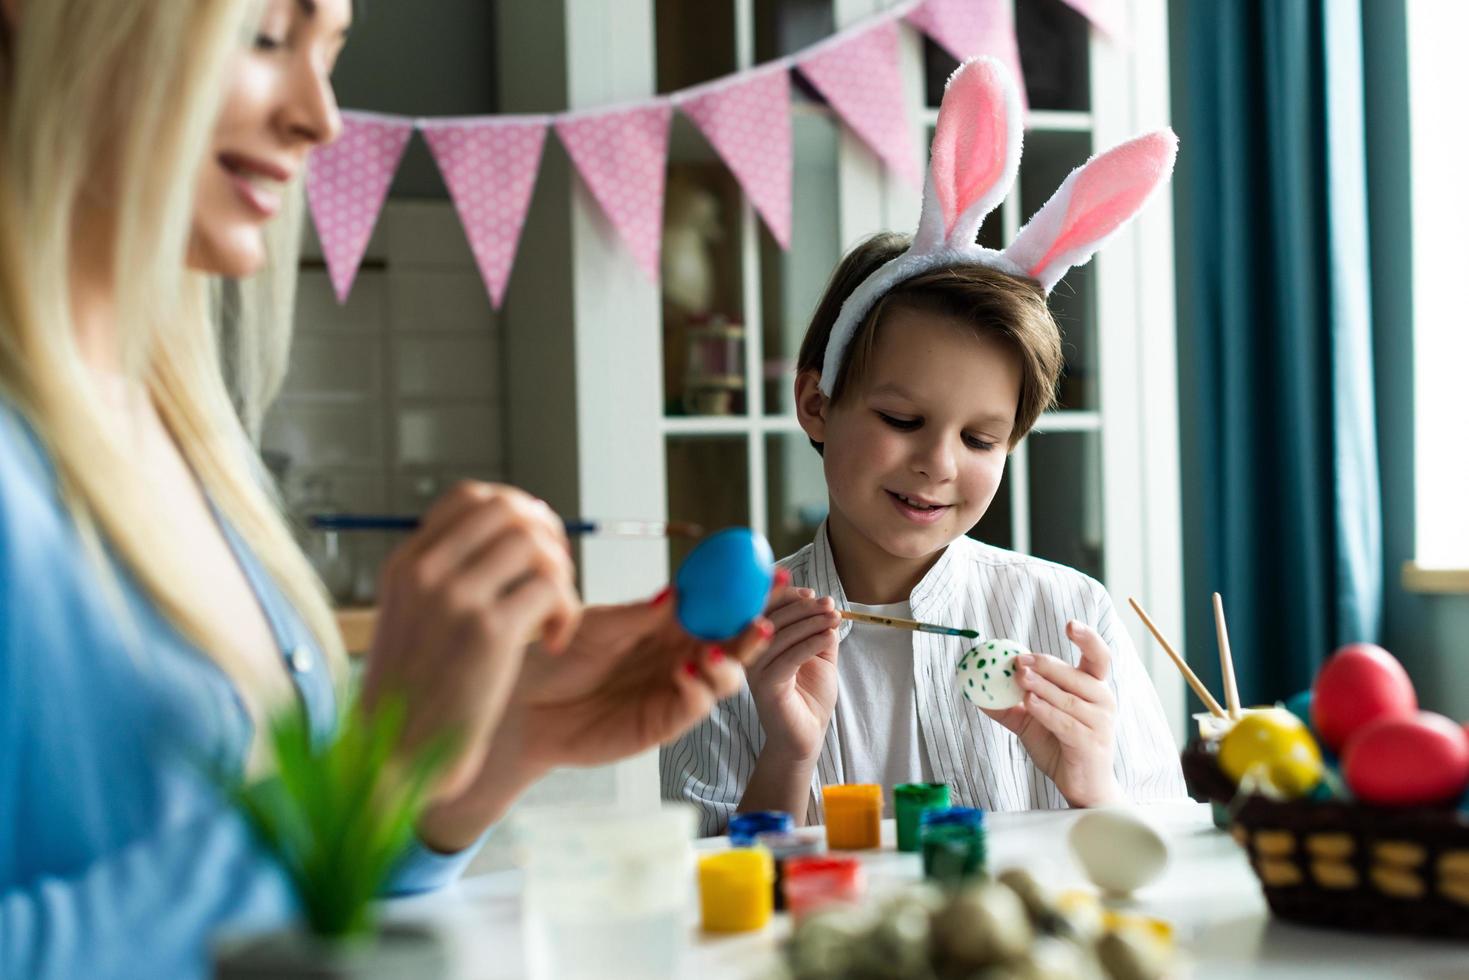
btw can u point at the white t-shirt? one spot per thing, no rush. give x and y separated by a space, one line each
877 705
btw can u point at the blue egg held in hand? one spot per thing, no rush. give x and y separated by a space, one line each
723 584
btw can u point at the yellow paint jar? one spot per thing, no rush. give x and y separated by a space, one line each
736 889
853 816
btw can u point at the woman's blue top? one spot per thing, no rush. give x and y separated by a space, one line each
119 856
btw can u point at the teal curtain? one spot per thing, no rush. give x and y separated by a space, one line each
1282 499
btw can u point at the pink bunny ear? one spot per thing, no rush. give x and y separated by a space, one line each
976 151
1093 202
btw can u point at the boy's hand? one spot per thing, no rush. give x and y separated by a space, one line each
794 682
1066 722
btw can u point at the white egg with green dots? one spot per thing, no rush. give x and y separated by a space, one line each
986 675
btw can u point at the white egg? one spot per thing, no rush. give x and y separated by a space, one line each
986 675
1119 851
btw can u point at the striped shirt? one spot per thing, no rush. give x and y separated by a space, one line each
999 593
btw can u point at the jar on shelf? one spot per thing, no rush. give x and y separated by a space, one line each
714 379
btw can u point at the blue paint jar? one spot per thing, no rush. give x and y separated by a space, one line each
744 827
953 844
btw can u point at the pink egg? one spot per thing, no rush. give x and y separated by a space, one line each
1358 684
1412 761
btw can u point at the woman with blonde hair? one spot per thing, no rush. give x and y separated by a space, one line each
153 605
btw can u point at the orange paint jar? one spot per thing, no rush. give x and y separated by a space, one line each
853 816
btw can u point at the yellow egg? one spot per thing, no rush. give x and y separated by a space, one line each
1275 749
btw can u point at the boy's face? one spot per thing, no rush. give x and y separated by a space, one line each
914 452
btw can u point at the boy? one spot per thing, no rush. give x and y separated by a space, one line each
924 365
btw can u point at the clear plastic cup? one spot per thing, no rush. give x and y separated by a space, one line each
607 891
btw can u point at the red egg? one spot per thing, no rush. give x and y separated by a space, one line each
1358 684
1417 760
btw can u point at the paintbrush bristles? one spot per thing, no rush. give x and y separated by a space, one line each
908 624
1183 668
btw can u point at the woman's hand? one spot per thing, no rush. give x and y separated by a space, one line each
488 572
630 679
1066 722
794 682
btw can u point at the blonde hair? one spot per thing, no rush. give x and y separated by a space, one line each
130 90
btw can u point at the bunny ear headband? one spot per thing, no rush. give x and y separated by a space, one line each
976 152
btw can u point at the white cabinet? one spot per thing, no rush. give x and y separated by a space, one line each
600 420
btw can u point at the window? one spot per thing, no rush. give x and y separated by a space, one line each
1440 255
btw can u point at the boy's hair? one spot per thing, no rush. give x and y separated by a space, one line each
995 303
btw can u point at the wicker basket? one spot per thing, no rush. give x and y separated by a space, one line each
1346 865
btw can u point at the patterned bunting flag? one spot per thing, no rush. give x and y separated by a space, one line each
861 79
346 185
969 28
749 123
490 166
1108 16
622 157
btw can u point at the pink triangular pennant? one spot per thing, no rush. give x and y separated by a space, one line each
749 123
1108 16
346 185
622 156
490 167
861 79
970 28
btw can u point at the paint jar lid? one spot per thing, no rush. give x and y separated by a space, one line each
922 794
839 869
954 816
745 827
851 795
822 874
784 844
737 866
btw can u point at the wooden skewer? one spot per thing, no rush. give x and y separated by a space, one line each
1226 659
1183 668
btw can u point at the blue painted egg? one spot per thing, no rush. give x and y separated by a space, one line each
724 583
1299 704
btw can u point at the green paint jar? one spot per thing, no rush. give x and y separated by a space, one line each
953 844
910 802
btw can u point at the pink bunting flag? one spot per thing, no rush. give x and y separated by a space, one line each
346 185
490 167
969 28
622 156
1108 16
749 124
859 76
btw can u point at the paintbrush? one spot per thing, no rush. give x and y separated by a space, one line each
575 527
908 624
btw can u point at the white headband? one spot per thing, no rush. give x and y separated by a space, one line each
976 153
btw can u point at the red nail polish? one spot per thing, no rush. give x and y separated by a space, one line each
716 654
765 628
662 597
782 578
691 668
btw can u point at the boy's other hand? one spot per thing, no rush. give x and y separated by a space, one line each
794 681
1067 721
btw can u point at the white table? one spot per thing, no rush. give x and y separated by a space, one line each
1208 892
